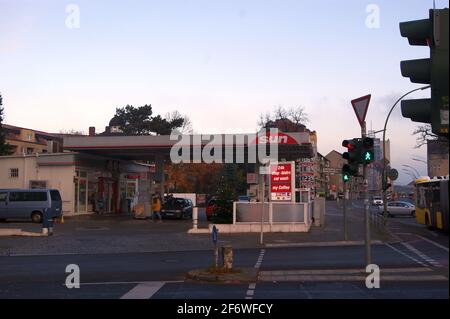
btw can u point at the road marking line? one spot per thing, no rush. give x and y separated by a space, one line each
406 255
251 287
352 278
433 243
250 292
341 271
144 290
421 254
122 282
325 244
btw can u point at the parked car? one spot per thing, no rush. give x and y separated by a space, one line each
210 208
29 204
177 208
243 198
377 200
399 208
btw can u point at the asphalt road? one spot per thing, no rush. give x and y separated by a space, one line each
162 275
415 265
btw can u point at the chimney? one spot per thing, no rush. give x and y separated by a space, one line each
92 131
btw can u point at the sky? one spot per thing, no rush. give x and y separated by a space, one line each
69 64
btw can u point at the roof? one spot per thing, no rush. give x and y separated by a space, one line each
290 145
13 127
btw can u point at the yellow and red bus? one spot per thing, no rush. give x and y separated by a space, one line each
431 200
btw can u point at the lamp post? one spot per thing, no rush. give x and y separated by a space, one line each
384 176
410 173
414 169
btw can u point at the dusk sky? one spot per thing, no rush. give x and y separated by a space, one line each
222 63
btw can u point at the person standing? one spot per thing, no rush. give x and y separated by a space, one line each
156 208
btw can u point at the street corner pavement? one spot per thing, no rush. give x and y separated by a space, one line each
235 276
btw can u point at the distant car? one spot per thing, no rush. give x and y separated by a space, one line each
243 198
399 208
177 208
377 200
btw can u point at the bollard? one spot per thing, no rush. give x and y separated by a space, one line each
47 223
227 257
195 217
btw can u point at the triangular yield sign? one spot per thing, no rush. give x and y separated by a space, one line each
360 105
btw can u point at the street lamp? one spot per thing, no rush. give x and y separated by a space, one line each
413 168
384 176
419 160
410 172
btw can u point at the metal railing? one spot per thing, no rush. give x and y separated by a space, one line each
274 213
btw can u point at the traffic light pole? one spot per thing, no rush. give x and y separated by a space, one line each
344 206
384 172
366 204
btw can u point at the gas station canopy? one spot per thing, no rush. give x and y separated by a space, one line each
291 146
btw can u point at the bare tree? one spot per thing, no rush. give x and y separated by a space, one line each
424 134
186 128
298 115
281 113
71 132
264 119
294 116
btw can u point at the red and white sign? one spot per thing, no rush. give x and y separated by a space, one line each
360 105
277 138
280 188
281 181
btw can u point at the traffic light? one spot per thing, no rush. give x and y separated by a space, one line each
432 32
367 153
352 156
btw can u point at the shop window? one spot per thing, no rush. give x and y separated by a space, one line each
13 172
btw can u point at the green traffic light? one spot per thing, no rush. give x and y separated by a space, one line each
346 177
368 156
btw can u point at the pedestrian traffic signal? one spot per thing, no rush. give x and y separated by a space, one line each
367 150
347 172
432 32
352 157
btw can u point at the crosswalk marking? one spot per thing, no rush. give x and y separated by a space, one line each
144 290
406 255
251 287
433 243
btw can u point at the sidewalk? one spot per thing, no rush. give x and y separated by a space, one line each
123 234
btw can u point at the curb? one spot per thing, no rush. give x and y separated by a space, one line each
246 275
19 232
324 244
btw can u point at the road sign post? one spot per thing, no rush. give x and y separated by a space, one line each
360 106
215 235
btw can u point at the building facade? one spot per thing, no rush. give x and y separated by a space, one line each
87 183
437 158
28 141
